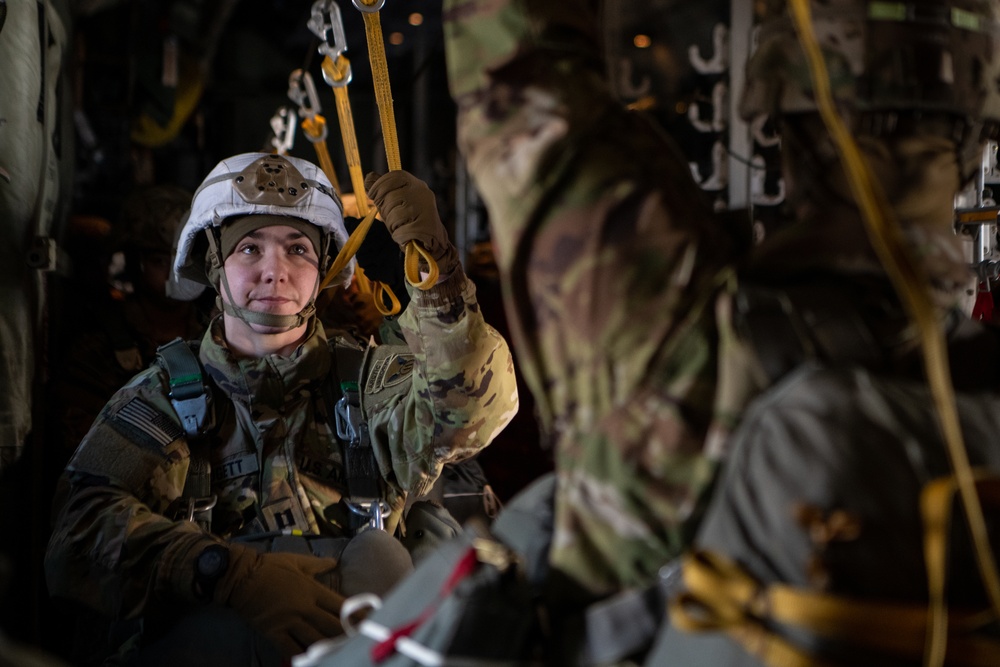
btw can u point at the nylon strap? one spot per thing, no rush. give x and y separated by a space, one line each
315 129
189 396
361 472
338 73
721 596
187 386
383 95
936 501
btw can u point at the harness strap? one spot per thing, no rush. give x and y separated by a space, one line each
361 471
190 398
722 597
188 393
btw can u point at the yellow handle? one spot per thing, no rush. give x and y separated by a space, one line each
383 95
411 266
383 292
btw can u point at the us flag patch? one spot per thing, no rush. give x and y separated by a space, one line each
142 416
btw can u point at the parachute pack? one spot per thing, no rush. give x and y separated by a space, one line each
832 530
835 535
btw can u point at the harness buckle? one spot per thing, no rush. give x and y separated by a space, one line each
374 511
199 505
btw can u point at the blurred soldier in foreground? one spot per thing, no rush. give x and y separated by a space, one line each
645 331
230 496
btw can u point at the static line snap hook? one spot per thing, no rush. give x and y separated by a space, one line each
302 91
283 124
368 9
326 23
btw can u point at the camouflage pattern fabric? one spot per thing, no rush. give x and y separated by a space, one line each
276 463
622 283
611 262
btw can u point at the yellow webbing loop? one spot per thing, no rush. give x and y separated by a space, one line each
383 95
721 596
912 284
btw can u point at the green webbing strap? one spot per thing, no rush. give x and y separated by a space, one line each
187 387
189 396
183 369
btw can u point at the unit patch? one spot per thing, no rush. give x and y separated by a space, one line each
283 514
389 372
138 415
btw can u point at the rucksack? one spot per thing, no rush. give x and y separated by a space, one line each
837 502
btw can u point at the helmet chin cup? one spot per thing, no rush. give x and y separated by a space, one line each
255 317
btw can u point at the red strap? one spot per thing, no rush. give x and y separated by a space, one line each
466 564
983 310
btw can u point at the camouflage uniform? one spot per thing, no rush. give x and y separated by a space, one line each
275 460
611 261
622 283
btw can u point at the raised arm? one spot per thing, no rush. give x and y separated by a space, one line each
463 391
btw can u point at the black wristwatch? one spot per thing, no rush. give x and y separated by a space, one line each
210 565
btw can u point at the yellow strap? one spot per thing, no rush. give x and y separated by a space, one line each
350 248
383 95
721 596
936 508
411 266
315 127
913 286
383 92
336 70
381 293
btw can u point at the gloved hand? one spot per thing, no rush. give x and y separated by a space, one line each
279 595
409 210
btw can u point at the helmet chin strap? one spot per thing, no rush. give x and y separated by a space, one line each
250 317
270 319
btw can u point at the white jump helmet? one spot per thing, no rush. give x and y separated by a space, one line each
257 184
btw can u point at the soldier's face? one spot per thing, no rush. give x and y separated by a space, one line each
272 270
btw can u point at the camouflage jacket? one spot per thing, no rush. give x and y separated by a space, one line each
628 294
612 262
276 463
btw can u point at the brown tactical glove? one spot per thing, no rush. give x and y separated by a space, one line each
409 210
279 595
